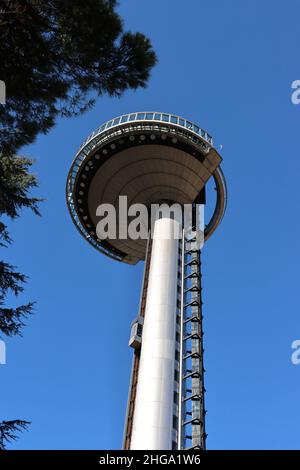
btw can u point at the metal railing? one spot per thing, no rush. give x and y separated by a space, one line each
150 116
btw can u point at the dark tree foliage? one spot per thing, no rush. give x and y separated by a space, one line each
56 56
4 235
15 183
9 431
12 319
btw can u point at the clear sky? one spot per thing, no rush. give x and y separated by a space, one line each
228 66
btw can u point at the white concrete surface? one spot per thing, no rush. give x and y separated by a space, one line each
152 423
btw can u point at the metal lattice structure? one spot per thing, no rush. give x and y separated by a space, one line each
192 413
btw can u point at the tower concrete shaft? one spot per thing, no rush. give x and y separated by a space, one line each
166 396
153 415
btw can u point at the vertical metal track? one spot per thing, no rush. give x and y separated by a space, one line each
181 362
136 357
192 419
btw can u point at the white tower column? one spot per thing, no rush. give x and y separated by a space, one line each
153 413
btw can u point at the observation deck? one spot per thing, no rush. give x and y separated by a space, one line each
148 157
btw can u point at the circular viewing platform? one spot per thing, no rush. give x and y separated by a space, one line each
148 157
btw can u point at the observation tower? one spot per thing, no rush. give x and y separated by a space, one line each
156 158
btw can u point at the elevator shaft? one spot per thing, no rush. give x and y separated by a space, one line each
166 398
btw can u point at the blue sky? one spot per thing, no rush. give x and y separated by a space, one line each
229 67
